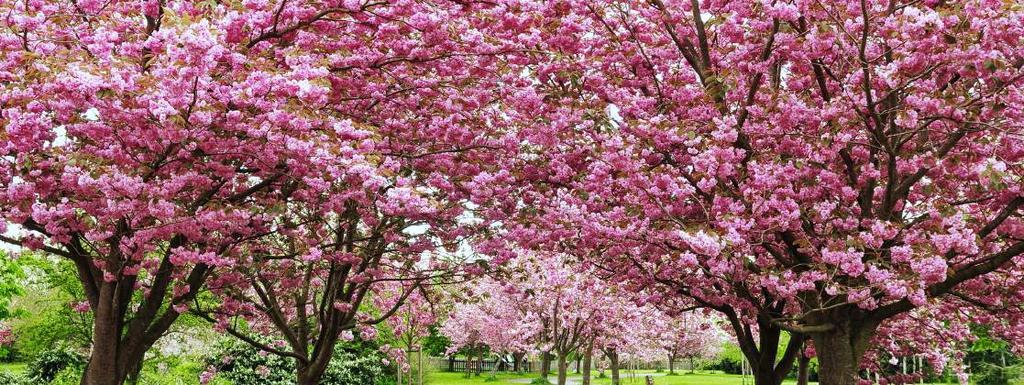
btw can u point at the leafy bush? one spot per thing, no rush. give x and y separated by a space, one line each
11 379
45 318
242 363
68 376
727 365
357 366
354 364
990 374
45 367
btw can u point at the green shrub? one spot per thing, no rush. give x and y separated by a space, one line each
356 367
243 364
11 379
354 364
68 376
45 367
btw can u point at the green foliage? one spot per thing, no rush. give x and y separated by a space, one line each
11 379
45 367
730 360
436 344
45 318
354 364
11 277
173 370
68 376
540 381
242 363
991 359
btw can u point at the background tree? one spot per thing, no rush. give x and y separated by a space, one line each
792 166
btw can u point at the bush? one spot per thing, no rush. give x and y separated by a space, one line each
68 376
989 374
540 381
244 364
356 367
727 365
45 367
355 364
11 379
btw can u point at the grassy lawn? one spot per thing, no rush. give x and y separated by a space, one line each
447 378
12 367
442 378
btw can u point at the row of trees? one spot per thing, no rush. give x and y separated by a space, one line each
547 307
838 171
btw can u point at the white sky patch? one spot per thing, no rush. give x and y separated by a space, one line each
416 230
92 114
60 136
613 114
13 231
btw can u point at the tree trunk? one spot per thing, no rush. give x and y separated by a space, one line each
480 362
803 370
517 358
841 349
761 350
135 374
563 368
613 362
312 374
588 361
671 362
110 360
124 330
692 365
545 364
579 359
837 363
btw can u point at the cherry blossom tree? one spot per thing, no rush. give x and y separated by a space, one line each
411 323
159 143
819 168
689 335
143 143
419 157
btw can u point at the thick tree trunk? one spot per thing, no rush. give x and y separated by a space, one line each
671 362
692 365
837 361
517 359
841 348
579 359
110 360
563 368
588 361
803 370
134 374
311 374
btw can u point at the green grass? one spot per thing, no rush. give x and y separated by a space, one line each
447 378
443 378
13 367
